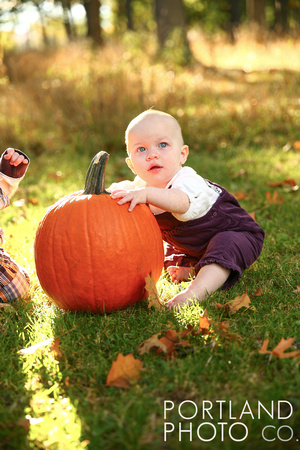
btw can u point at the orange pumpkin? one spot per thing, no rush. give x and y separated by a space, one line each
92 254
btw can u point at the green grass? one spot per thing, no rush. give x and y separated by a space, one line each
241 135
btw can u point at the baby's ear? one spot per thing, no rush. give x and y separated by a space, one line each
130 165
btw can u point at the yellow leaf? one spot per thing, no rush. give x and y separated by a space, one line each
153 297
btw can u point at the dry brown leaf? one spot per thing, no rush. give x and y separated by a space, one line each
280 348
153 297
253 215
223 328
274 199
238 302
124 370
257 293
152 343
172 341
167 344
297 290
239 195
289 181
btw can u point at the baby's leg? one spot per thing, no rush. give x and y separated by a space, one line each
180 273
209 278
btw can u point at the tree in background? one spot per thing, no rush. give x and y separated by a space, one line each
170 18
256 11
92 9
171 28
68 19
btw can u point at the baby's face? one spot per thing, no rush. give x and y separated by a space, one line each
156 150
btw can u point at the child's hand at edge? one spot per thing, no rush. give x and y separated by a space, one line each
15 158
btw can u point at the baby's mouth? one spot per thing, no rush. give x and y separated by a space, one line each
154 167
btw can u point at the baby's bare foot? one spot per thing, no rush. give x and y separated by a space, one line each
180 273
184 298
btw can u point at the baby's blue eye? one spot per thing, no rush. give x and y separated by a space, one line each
163 145
141 149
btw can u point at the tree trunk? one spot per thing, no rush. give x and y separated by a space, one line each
281 15
169 14
67 19
235 19
42 21
129 15
170 18
256 11
124 12
92 9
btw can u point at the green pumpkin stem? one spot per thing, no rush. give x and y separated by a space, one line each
94 182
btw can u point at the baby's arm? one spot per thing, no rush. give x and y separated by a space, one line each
172 200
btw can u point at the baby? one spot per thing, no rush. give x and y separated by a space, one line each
14 280
209 236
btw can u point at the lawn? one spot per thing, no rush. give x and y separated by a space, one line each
213 388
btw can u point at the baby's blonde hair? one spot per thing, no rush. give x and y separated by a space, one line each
149 113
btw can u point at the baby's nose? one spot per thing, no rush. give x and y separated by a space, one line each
152 152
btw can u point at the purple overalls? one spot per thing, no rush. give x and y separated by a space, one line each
226 235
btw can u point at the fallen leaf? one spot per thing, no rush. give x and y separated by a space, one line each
257 293
238 302
124 370
289 181
223 328
153 297
274 199
167 344
239 195
253 215
297 290
33 201
24 423
280 348
204 324
152 343
297 145
55 347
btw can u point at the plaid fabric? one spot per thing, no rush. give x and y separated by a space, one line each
14 281
4 200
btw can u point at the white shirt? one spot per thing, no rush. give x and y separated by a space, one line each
202 195
8 184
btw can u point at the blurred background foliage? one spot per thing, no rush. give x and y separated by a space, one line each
73 74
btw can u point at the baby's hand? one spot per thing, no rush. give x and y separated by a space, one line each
14 158
133 197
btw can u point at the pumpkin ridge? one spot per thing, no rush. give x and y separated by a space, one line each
55 249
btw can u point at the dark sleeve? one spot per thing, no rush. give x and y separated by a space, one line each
13 171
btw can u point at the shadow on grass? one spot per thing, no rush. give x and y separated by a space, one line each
14 397
110 417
